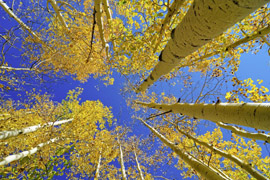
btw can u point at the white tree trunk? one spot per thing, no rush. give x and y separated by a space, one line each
253 172
172 10
24 26
204 21
58 13
123 170
255 115
98 167
204 170
138 165
8 134
23 154
243 133
100 22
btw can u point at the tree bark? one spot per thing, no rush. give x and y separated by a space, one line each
98 167
247 167
243 133
23 154
58 13
255 115
8 134
23 25
123 171
204 21
138 165
204 170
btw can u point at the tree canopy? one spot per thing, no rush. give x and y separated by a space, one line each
185 110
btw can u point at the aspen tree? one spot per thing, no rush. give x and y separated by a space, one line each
121 158
204 170
12 133
23 25
204 21
254 115
23 154
58 13
247 167
98 167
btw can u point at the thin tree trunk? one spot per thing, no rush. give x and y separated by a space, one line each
123 171
204 170
98 167
138 165
247 167
16 69
255 115
58 13
204 21
243 133
8 134
23 25
23 154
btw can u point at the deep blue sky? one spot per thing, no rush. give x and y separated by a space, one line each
252 66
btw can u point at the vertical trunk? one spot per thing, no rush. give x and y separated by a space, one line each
255 115
11 14
100 22
204 21
204 170
243 133
247 167
123 171
98 167
23 154
138 165
8 134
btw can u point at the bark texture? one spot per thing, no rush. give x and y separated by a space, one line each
255 115
204 21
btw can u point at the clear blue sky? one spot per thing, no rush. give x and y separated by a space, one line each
252 66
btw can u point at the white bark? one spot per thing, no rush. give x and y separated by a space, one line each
8 134
258 34
123 170
58 13
255 115
107 10
100 22
138 165
247 167
204 170
204 21
243 133
16 69
171 12
98 167
11 14
23 154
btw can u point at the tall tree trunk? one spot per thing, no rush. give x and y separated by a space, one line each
23 154
255 115
138 165
247 167
23 25
98 167
204 21
204 170
243 133
123 171
8 134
